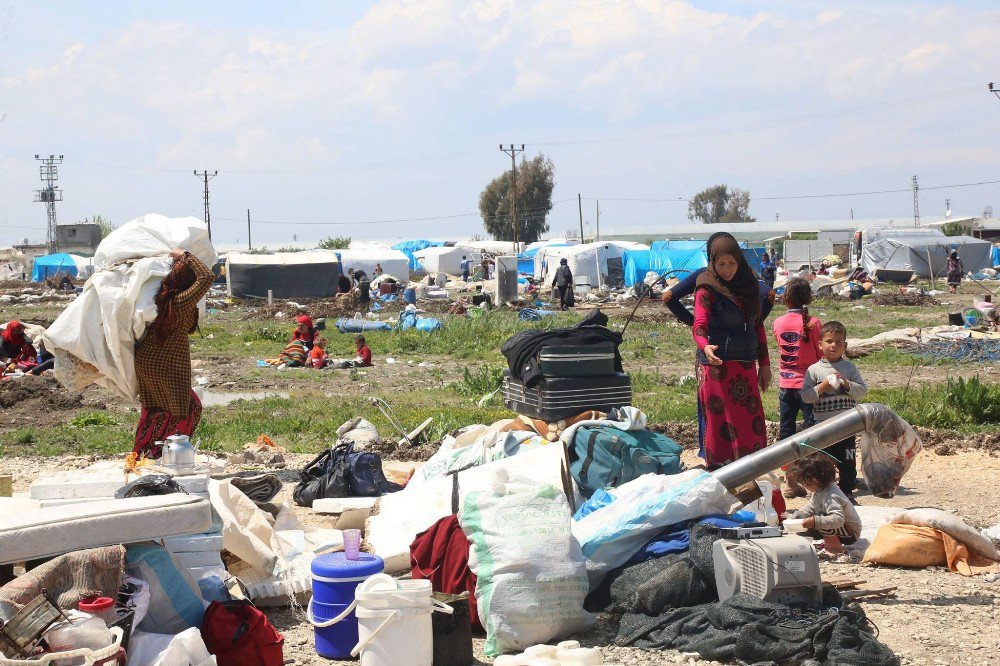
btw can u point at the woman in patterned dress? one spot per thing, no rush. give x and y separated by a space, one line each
729 332
163 356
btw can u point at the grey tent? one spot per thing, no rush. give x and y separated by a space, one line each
311 274
912 249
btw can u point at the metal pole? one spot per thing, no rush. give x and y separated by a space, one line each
597 221
249 242
868 416
579 205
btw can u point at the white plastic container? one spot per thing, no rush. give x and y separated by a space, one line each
541 651
580 656
794 525
394 625
83 656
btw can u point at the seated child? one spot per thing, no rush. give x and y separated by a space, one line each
829 515
317 355
364 357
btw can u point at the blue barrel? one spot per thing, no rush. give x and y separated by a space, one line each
334 580
410 296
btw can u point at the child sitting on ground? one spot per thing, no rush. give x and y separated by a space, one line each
829 515
832 386
317 356
364 358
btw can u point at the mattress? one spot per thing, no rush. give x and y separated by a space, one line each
29 535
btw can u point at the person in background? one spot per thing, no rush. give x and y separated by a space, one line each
563 282
465 266
46 361
317 355
66 283
163 356
832 386
304 331
364 357
378 269
343 284
829 515
797 334
363 288
16 353
956 269
734 365
768 270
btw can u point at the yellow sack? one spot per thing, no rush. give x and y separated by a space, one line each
915 546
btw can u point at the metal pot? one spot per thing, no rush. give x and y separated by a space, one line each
178 452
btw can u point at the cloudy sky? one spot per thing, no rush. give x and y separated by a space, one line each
381 120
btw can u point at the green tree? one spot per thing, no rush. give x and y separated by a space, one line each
720 204
954 229
335 243
106 226
535 182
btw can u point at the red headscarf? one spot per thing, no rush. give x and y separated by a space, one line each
13 335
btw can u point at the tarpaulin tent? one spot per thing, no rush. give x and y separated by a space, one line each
752 253
447 259
995 256
309 274
639 262
526 260
53 264
799 253
364 256
411 246
678 245
907 250
594 265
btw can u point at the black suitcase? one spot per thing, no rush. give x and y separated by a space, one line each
577 360
555 398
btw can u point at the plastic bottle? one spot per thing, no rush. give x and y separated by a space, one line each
102 607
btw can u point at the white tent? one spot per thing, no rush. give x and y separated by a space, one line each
495 247
446 259
594 265
799 253
364 256
309 274
84 266
538 244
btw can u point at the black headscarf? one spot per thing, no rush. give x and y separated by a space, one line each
743 288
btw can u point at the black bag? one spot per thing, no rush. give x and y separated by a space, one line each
325 476
342 472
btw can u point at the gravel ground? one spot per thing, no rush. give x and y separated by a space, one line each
937 617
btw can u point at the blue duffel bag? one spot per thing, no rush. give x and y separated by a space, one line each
606 457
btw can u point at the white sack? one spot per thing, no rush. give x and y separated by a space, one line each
953 526
531 578
398 518
185 649
611 535
93 339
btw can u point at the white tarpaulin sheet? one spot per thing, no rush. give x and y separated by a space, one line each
447 259
912 252
799 253
594 265
94 338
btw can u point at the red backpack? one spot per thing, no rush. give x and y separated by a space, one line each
239 635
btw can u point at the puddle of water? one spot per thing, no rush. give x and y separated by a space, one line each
223 398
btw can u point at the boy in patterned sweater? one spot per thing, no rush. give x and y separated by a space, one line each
833 385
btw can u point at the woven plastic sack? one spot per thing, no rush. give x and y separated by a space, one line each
612 534
531 578
951 525
888 447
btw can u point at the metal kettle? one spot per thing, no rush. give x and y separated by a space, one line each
178 452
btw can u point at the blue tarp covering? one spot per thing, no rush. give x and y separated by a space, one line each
47 266
678 245
995 255
526 266
411 246
639 262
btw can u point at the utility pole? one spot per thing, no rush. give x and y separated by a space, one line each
206 176
916 203
776 217
512 151
994 90
597 221
947 208
852 213
579 205
249 242
49 195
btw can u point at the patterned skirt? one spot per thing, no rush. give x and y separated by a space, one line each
156 425
729 398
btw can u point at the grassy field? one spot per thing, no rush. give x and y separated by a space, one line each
468 365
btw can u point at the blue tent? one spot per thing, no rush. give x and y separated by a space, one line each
637 263
411 246
49 265
995 255
678 245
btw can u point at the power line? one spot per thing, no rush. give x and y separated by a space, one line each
512 151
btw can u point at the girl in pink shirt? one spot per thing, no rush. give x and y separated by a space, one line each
797 335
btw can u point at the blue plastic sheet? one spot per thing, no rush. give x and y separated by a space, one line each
428 324
52 264
637 263
995 256
411 246
345 325
533 314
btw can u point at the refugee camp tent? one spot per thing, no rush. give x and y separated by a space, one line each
446 259
309 274
681 262
526 259
799 253
493 247
910 249
594 265
995 256
52 264
364 256
753 253
411 246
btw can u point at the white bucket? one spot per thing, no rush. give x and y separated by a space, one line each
394 625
